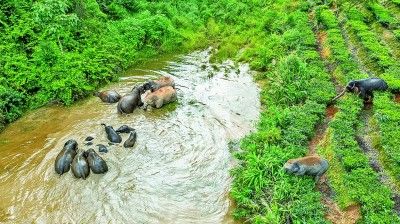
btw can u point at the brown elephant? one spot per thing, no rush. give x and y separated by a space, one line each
159 97
109 96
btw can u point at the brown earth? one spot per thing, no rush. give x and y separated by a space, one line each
334 214
348 216
325 52
397 98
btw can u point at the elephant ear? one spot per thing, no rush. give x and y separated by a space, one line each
296 167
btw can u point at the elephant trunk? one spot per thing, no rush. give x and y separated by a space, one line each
340 95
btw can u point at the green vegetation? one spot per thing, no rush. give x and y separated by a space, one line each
351 176
62 50
383 15
297 89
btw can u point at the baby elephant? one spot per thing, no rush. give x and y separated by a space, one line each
364 88
310 165
108 96
159 97
131 140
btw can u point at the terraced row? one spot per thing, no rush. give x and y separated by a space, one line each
386 110
351 176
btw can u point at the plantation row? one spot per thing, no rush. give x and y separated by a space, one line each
350 175
386 111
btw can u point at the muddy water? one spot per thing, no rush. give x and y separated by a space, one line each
178 171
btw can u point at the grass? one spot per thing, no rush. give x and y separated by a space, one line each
351 176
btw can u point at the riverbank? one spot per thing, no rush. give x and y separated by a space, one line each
177 172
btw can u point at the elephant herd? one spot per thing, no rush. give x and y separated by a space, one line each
151 93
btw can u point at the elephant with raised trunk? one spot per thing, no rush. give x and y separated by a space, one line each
364 88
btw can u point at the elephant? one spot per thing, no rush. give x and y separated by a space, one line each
364 88
159 97
130 101
89 138
102 148
96 163
124 129
109 96
159 83
80 166
311 165
130 142
65 157
112 135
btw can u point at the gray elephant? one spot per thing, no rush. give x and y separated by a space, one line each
310 165
364 88
65 157
128 103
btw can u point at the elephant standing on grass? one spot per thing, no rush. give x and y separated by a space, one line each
364 88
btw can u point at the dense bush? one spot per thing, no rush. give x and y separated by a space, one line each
62 50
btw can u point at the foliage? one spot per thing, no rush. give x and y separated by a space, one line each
351 176
62 50
298 89
382 15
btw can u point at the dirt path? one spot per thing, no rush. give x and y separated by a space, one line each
334 214
397 98
355 52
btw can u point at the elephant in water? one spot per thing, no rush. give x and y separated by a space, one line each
159 97
80 166
364 88
124 129
65 157
159 83
109 96
130 101
112 135
96 163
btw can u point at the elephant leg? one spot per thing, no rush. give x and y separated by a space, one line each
159 103
363 93
370 96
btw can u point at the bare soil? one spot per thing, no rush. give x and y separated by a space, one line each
334 214
350 215
397 97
